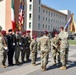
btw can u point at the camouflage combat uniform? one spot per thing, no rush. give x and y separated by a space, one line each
63 48
2 42
33 48
55 46
44 46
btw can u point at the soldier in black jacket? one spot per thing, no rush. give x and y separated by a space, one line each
10 47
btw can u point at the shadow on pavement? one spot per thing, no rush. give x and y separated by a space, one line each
53 67
71 64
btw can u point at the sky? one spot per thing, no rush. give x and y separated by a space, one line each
62 5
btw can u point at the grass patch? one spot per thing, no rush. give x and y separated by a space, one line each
72 42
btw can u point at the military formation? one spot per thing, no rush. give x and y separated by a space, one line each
19 44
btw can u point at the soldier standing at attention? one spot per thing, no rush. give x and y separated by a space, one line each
55 49
63 35
33 48
23 50
28 41
10 47
5 48
44 47
17 47
2 45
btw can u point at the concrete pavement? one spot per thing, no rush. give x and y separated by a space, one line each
28 69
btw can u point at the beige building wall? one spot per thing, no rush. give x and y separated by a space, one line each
2 13
8 15
43 17
5 13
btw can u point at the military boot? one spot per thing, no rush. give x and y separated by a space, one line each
54 63
17 63
63 68
43 68
34 64
3 66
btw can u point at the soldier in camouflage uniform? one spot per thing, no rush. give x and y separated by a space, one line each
5 48
44 46
33 48
63 35
2 45
55 46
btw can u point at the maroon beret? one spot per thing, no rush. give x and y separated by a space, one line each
34 36
28 31
45 32
3 32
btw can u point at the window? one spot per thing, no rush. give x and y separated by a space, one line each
29 25
49 20
46 11
30 0
29 16
39 18
49 13
39 1
43 25
43 18
43 10
46 26
54 14
38 25
49 27
46 19
39 9
30 7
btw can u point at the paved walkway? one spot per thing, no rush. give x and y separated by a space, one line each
28 69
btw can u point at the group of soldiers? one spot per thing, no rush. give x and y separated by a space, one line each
21 42
16 42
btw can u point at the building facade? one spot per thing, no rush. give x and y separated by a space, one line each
38 17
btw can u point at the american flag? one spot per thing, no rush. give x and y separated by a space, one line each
21 15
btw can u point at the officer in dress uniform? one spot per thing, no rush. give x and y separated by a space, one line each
10 47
